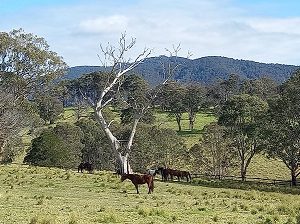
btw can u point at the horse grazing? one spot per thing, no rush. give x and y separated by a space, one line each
166 173
137 179
163 172
187 175
85 166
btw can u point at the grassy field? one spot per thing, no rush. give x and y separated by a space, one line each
190 137
49 196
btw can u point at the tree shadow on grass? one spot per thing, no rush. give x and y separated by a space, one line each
239 185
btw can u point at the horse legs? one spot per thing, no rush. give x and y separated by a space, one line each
150 187
137 188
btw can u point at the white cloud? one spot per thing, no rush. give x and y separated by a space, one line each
205 27
109 24
276 25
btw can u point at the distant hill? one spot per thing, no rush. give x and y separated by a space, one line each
205 69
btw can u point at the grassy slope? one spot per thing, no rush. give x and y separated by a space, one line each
44 195
191 137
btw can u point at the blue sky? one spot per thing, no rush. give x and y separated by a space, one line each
259 30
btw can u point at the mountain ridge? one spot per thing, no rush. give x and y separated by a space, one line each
205 69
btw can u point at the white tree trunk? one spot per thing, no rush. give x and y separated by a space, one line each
115 56
124 164
122 160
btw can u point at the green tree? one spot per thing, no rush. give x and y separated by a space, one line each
27 62
194 100
283 127
265 87
26 66
155 147
222 90
171 98
50 107
137 99
242 115
214 154
15 115
96 148
57 147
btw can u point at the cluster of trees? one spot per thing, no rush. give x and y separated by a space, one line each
254 116
27 66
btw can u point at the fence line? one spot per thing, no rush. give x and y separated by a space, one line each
249 179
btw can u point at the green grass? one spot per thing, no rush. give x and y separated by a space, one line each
50 195
263 167
190 137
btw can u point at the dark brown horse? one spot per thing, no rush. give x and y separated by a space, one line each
187 175
137 179
166 173
85 166
163 172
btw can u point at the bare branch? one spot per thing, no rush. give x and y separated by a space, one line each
89 100
110 123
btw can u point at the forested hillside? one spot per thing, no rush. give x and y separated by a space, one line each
205 69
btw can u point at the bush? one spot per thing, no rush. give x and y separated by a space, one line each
97 149
57 147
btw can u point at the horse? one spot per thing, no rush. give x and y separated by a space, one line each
173 173
165 173
187 175
85 166
137 179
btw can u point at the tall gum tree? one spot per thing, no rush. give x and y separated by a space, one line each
282 131
117 65
242 115
27 66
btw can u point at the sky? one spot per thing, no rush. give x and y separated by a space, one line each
259 30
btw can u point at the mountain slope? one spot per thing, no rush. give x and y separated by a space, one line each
205 69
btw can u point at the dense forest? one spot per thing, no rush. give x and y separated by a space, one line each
204 70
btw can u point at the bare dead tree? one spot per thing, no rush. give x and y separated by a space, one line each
115 60
117 64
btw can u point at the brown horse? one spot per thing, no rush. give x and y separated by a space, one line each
137 179
187 175
166 173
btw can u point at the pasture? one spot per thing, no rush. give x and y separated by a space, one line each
50 195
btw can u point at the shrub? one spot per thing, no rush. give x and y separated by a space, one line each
57 147
96 148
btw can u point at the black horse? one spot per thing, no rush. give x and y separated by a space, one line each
163 172
166 173
85 166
